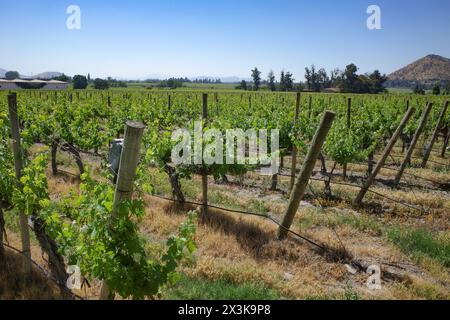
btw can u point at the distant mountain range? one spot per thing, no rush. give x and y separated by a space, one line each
427 71
47 75
52 74
43 75
231 79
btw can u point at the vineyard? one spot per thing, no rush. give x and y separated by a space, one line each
364 181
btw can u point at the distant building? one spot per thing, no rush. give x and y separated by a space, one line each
19 84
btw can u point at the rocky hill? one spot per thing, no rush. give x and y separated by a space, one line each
427 71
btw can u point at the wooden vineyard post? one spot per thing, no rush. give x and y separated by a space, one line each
18 166
426 156
307 168
403 140
445 145
310 107
169 102
129 160
349 112
417 134
2 227
216 98
204 170
386 153
294 147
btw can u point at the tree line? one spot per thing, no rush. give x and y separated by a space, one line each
317 80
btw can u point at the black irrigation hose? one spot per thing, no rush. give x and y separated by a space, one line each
418 158
388 168
44 272
369 190
265 216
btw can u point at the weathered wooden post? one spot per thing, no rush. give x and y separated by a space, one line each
349 112
381 162
305 173
129 160
445 144
2 227
18 166
403 140
169 102
216 98
426 156
294 147
310 107
417 134
204 170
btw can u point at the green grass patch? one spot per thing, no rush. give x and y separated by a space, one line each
362 223
420 243
200 289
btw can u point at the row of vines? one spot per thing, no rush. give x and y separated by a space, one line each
79 227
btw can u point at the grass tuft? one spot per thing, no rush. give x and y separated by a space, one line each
200 289
421 243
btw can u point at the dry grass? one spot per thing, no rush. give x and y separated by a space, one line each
243 249
17 285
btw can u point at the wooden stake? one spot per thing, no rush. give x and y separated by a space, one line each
18 166
445 144
129 160
306 171
310 107
386 153
426 156
414 141
349 112
294 147
204 173
2 227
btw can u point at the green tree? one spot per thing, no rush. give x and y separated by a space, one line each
418 89
350 79
288 81
80 82
256 75
62 77
377 81
447 88
242 85
317 80
437 89
282 81
101 84
11 75
271 81
311 78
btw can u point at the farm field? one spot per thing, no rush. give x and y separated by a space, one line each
229 250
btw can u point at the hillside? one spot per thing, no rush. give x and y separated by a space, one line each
427 71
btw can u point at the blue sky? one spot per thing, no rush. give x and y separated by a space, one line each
137 39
